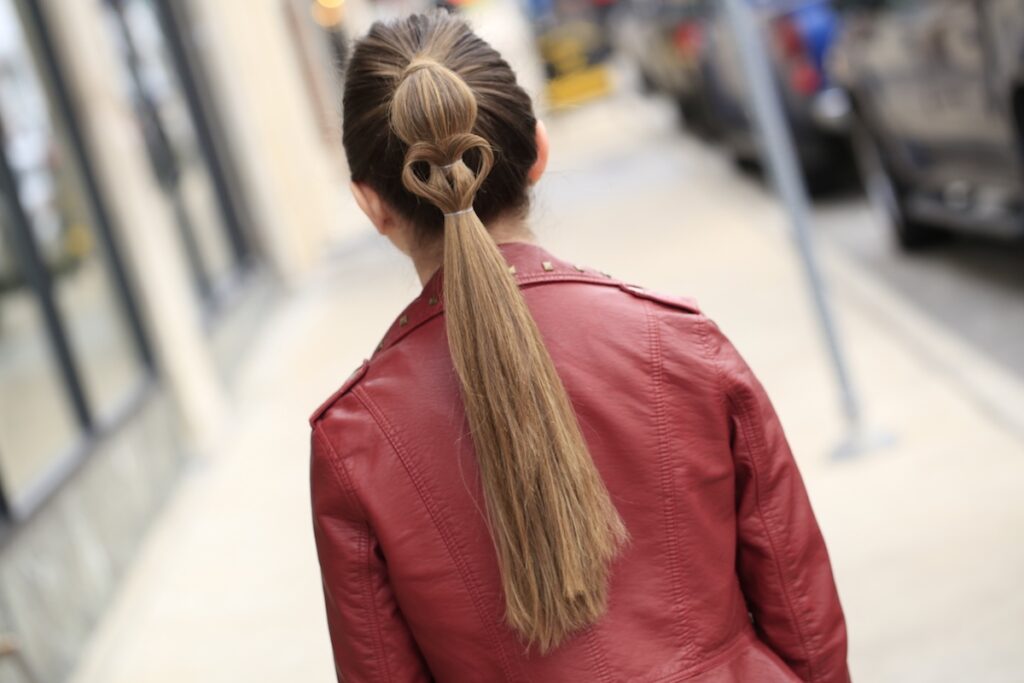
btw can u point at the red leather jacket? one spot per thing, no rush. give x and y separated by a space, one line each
726 577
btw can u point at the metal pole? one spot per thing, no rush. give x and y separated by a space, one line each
776 144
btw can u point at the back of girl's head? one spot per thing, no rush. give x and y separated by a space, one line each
435 123
439 48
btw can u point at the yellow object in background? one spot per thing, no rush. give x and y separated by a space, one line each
568 50
328 13
78 241
579 86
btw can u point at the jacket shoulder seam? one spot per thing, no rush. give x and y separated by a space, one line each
755 438
704 324
679 303
347 486
341 475
345 388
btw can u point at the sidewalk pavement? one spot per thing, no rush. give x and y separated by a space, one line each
925 534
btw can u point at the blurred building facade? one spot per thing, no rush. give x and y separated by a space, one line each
168 168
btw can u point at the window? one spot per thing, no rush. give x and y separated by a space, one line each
70 358
319 37
215 247
37 420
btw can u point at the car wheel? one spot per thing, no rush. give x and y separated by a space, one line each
745 163
685 107
694 117
886 197
647 84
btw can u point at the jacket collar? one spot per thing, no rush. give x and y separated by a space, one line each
529 263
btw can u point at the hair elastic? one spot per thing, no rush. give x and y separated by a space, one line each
449 166
457 213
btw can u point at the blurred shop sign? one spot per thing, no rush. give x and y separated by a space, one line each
328 13
573 41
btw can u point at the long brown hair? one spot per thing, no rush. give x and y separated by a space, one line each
435 122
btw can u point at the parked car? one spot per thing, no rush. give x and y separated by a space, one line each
667 39
937 93
799 35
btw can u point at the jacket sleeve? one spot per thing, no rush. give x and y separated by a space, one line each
782 561
370 639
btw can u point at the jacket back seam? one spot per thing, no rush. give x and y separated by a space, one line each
666 480
712 660
452 545
590 641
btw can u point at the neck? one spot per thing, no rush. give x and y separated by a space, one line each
428 258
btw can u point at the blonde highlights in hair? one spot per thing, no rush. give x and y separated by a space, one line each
551 519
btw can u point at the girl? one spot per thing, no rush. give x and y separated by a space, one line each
542 474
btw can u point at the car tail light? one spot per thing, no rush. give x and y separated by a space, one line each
805 78
803 75
788 37
688 38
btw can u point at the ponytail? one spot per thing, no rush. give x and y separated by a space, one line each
550 516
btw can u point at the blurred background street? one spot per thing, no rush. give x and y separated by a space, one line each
184 277
972 286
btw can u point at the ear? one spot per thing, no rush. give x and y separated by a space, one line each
543 149
372 205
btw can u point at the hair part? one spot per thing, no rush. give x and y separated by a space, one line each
450 107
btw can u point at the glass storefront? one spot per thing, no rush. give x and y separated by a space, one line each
214 246
73 354
37 419
70 360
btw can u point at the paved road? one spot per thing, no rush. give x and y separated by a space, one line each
973 286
